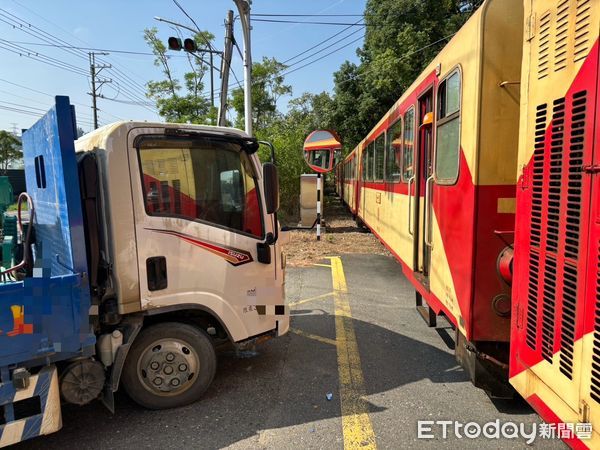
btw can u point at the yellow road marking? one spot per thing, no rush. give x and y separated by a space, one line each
315 337
311 299
356 423
322 265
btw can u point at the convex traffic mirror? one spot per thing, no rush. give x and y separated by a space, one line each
322 150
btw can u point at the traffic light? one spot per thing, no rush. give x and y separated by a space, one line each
189 45
175 43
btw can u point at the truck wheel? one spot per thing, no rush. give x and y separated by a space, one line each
169 365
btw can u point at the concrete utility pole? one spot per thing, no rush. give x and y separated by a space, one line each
244 9
222 121
95 69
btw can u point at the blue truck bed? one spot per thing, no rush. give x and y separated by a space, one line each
45 317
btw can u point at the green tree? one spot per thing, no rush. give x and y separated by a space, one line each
402 37
287 133
10 149
177 102
267 88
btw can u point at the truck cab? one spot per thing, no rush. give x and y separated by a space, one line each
149 244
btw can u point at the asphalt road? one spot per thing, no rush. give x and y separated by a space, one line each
394 371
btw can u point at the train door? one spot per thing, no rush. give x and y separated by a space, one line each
364 177
423 185
422 214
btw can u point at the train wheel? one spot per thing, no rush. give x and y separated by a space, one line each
169 365
359 222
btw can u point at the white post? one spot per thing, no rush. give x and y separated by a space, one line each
244 9
318 206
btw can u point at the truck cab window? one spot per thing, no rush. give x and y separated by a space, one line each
201 180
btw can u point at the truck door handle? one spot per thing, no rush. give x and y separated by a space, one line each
156 272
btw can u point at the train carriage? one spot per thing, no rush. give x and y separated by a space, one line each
436 184
505 118
555 346
347 189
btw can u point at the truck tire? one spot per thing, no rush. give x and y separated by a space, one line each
169 365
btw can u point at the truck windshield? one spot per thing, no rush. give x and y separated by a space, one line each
203 179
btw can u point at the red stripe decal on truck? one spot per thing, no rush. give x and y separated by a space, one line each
233 256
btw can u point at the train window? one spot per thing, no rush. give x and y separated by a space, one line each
408 146
447 149
202 180
393 149
371 163
365 162
379 157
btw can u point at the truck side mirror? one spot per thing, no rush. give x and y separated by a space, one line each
271 187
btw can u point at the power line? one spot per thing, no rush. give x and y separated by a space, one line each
327 48
282 71
195 24
92 49
24 106
319 44
28 110
404 56
68 47
45 104
32 30
50 95
306 15
308 22
324 56
36 56
126 102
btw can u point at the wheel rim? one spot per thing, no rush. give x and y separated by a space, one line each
168 367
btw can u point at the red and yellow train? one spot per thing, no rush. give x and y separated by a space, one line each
483 181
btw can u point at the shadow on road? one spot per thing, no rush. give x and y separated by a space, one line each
284 385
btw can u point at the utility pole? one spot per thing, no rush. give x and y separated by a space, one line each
212 81
221 121
244 9
95 69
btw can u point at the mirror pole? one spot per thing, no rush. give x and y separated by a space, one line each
318 206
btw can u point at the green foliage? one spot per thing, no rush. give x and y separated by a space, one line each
287 133
10 149
176 101
267 88
402 37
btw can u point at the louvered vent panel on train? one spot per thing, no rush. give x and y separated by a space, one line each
595 388
555 176
582 29
536 223
561 30
544 46
572 192
576 147
567 331
549 309
551 202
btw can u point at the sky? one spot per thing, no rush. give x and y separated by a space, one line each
28 83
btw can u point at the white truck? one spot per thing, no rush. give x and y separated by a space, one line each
164 241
